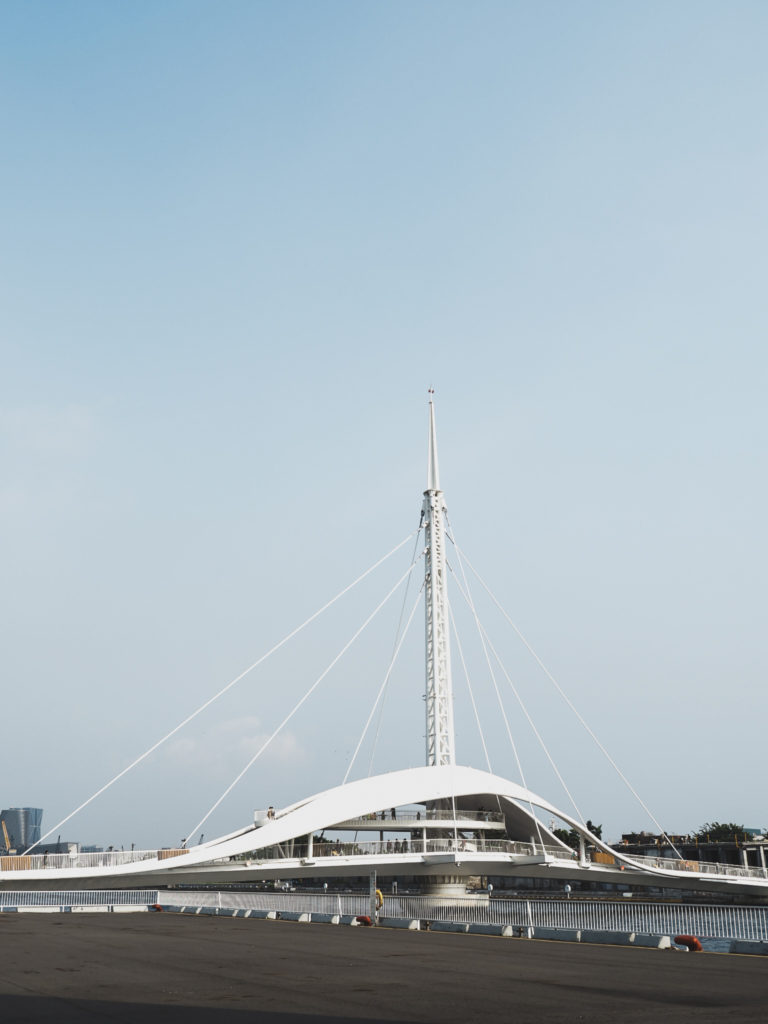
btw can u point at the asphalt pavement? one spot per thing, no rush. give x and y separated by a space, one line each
75 968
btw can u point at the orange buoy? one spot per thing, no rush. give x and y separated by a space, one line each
690 941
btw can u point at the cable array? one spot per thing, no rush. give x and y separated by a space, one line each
565 698
382 687
303 700
221 692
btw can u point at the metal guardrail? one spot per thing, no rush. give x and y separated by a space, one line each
105 859
119 858
394 847
79 898
654 918
420 817
703 920
702 867
303 902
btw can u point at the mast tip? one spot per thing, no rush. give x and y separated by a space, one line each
433 483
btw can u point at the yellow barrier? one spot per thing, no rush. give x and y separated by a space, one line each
15 863
598 857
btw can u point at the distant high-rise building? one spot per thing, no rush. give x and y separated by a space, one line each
23 824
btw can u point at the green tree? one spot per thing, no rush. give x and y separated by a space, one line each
596 830
571 837
566 837
720 832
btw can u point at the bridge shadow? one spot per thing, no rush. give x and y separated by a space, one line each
17 1009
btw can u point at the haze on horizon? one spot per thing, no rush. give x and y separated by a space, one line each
239 244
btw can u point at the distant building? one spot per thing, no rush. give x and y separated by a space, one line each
59 847
23 825
747 848
65 846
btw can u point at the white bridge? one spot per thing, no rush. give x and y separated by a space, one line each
442 821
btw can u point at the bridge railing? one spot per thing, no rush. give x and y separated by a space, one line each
419 817
106 859
703 920
79 898
604 915
702 867
302 902
120 858
378 849
396 847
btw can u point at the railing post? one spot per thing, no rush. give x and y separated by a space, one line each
373 914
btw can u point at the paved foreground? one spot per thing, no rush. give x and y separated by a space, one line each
158 967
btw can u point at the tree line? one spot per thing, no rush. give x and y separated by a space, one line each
710 832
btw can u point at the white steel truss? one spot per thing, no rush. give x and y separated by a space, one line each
439 696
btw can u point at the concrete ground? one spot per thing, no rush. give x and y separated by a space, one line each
162 967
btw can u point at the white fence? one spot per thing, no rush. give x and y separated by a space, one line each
80 898
310 903
654 918
703 920
394 848
75 859
702 867
381 848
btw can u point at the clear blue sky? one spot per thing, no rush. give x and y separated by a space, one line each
239 242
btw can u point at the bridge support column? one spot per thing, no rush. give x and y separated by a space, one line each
446 885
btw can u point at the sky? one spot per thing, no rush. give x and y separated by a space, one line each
240 241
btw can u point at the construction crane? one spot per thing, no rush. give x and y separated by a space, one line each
6 837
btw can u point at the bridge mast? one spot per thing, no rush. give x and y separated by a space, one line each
439 697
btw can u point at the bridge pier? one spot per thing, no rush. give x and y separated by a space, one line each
446 885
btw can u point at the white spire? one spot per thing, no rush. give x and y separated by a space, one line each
433 475
439 703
